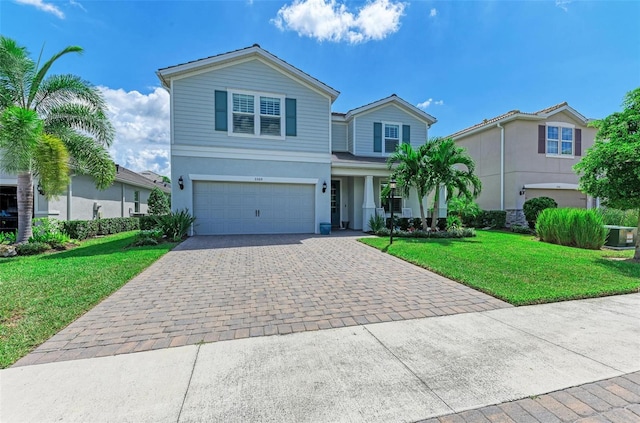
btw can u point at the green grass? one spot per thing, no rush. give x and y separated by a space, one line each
39 295
518 268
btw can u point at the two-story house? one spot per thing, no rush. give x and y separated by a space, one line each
256 149
521 155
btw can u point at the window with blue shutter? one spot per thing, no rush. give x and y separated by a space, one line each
406 134
291 128
377 137
221 110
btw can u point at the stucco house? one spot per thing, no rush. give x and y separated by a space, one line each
521 155
255 147
127 196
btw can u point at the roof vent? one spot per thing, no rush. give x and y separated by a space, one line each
393 95
256 45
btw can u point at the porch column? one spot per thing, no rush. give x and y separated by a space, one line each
369 205
70 199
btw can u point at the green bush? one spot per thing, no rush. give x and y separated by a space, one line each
486 219
80 229
83 229
147 237
519 229
572 227
453 222
175 225
453 233
464 208
158 203
148 223
619 217
32 248
534 206
8 237
49 231
376 222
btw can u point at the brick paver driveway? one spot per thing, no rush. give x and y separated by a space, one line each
228 287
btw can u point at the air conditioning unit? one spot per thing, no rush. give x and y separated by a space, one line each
621 236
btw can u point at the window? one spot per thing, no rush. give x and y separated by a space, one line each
257 115
559 140
391 137
396 201
136 201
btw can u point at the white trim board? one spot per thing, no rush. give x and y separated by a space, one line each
253 179
552 185
249 154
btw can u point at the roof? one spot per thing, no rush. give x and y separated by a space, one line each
130 177
344 158
255 50
393 99
517 114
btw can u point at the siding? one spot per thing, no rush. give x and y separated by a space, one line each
350 127
339 137
388 113
193 109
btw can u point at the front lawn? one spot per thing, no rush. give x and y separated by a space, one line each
39 295
518 268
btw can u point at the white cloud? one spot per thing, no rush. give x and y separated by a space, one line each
141 122
77 4
45 7
328 20
425 104
562 4
433 13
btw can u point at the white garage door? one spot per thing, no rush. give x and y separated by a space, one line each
253 208
564 197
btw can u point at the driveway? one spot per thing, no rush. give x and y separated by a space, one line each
214 288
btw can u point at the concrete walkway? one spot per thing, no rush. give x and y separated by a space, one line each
218 288
387 372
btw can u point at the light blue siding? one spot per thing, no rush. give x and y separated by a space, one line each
339 136
350 127
388 113
194 109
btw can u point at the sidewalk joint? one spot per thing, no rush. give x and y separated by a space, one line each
186 391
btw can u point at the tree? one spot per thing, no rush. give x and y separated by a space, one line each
49 125
411 172
450 166
611 168
158 203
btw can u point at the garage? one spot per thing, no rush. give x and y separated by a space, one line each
564 197
225 208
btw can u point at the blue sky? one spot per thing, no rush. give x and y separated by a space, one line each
461 61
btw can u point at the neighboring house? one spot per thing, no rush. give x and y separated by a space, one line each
520 156
255 147
82 201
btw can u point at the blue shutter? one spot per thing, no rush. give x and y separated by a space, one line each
406 134
377 137
291 127
221 110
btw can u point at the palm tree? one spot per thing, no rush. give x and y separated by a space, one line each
411 171
452 168
49 125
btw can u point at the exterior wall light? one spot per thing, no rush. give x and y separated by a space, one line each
523 190
324 186
181 182
40 190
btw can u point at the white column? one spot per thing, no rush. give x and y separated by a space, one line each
442 207
70 199
368 205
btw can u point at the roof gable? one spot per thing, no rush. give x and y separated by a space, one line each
255 51
396 101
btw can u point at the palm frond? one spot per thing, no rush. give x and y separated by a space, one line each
42 72
57 90
81 117
89 158
51 165
20 130
16 73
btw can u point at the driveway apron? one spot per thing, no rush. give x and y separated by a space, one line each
214 288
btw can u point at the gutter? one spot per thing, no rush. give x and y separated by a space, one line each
501 165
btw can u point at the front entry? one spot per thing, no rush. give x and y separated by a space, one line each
335 204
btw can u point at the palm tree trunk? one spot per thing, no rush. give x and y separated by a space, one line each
423 219
636 256
436 211
25 206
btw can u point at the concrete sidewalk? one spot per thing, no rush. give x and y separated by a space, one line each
387 372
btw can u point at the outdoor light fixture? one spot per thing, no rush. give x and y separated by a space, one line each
324 186
392 194
40 190
117 168
181 182
522 191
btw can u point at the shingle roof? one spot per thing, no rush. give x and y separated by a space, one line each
127 176
344 157
487 122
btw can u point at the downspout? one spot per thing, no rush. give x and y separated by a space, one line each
501 166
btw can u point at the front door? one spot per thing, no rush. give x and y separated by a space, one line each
335 204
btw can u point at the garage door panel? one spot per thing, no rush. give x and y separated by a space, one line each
564 197
253 208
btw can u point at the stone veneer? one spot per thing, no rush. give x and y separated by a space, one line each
515 217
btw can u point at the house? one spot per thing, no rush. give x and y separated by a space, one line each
521 155
127 196
255 147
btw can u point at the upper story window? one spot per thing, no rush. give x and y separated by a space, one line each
559 140
391 137
253 114
387 136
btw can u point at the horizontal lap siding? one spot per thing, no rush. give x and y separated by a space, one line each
339 137
389 113
193 109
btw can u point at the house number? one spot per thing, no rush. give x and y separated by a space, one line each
258 179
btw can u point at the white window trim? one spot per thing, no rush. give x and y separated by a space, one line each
384 123
256 114
560 125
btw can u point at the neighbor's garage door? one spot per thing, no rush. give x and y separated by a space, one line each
564 197
253 208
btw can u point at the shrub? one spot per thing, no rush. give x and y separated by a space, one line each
619 217
147 237
572 227
32 248
83 229
49 231
175 225
158 203
519 229
463 208
534 206
453 223
80 229
487 219
454 233
376 222
147 223
8 237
